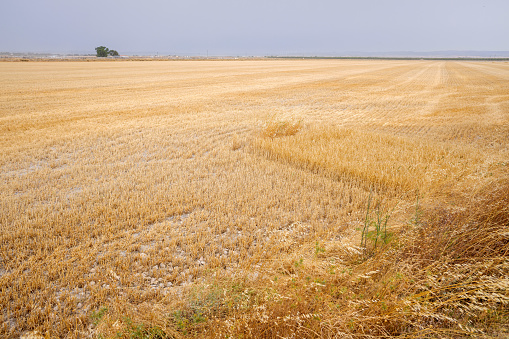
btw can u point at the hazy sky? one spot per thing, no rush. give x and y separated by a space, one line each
257 27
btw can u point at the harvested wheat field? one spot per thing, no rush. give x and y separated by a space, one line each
254 199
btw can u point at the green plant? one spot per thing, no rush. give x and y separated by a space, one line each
417 215
181 321
203 303
375 227
319 249
299 263
140 331
96 316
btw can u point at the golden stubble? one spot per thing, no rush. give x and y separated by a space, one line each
126 182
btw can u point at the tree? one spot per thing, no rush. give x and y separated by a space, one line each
102 52
113 52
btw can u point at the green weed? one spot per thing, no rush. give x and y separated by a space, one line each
319 249
374 231
96 316
140 331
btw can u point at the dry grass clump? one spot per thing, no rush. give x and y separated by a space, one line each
276 127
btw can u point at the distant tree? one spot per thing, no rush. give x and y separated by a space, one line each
113 52
102 52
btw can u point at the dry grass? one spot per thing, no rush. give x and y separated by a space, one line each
215 198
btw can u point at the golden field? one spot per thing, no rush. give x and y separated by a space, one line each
158 199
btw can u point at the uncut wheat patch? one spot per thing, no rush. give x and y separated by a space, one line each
378 159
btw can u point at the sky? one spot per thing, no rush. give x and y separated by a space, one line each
258 28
